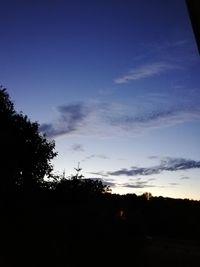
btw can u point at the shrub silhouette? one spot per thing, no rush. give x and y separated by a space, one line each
77 186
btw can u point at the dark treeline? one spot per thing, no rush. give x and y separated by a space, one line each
75 221
57 228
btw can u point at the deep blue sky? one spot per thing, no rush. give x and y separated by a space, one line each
115 83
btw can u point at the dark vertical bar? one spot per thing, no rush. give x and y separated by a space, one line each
193 7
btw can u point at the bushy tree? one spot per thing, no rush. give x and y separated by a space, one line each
78 186
25 153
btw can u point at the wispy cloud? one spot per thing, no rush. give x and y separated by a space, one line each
136 185
152 157
99 156
184 178
179 51
168 164
105 119
75 118
100 173
173 184
77 148
156 118
169 55
141 184
145 71
70 118
172 44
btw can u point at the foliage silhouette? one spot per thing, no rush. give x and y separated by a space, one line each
26 154
78 187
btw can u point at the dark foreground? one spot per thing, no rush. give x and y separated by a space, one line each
97 233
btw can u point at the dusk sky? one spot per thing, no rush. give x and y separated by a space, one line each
116 84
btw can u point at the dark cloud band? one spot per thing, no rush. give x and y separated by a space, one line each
168 164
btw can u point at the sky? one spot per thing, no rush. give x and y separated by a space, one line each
116 84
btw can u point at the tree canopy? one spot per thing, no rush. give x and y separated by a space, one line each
26 154
77 186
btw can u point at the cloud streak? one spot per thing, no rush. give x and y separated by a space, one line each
184 178
104 119
99 174
135 185
71 117
156 118
99 156
145 71
141 184
77 148
168 164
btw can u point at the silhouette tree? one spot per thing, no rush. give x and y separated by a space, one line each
25 153
78 170
77 186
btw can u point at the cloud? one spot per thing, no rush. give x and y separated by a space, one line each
177 43
99 174
184 178
141 184
80 118
178 51
145 71
105 119
109 183
70 118
100 156
77 148
151 179
156 118
168 164
152 157
176 164
173 184
137 183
